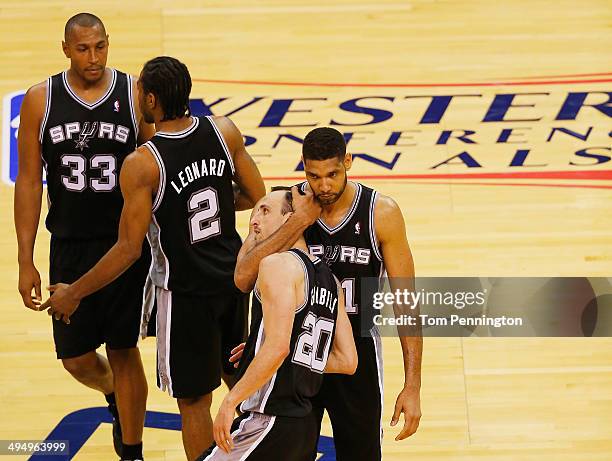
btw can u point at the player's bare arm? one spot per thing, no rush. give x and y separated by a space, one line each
306 211
343 355
139 178
281 286
28 193
247 176
145 130
391 234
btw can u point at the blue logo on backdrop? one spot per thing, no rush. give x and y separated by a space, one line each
12 104
78 426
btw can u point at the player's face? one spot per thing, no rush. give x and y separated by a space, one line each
267 215
327 178
146 112
87 49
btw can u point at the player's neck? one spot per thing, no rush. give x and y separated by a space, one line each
173 126
343 203
80 85
300 244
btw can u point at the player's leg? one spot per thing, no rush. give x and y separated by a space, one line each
76 344
355 406
130 391
92 370
197 424
188 351
233 323
120 313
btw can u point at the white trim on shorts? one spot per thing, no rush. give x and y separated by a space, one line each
379 367
260 439
164 326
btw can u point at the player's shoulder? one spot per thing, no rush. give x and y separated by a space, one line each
230 131
37 93
388 217
141 161
283 265
386 206
34 102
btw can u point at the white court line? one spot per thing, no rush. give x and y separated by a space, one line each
538 371
287 9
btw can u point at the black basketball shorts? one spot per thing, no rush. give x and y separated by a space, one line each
259 437
112 315
195 334
354 404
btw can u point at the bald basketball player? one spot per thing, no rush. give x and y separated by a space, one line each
299 331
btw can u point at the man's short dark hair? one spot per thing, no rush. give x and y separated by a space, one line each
82 20
324 143
287 206
169 80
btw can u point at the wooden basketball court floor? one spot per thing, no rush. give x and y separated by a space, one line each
544 213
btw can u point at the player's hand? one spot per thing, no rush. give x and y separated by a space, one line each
237 354
305 207
62 302
222 426
29 279
409 403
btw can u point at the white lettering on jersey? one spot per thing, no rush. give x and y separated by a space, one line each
72 128
106 129
194 171
57 134
315 250
122 134
341 253
324 297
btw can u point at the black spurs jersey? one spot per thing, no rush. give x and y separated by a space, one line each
193 234
351 251
83 148
300 375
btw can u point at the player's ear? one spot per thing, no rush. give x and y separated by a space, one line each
348 161
286 217
65 49
151 100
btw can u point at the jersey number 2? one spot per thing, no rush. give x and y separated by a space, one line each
204 205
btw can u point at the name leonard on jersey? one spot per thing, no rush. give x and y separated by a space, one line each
196 170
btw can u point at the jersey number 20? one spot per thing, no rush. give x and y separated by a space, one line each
312 348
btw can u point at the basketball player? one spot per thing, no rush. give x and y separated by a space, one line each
299 330
360 233
81 124
178 186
